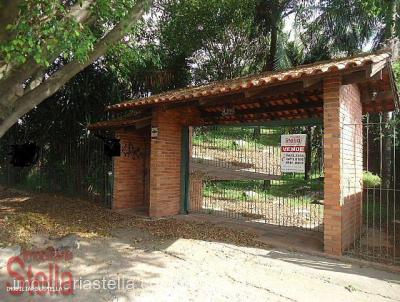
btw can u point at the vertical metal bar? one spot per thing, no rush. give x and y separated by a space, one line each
264 205
354 182
185 171
380 187
387 187
394 192
368 190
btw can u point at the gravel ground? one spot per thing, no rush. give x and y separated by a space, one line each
272 211
170 260
198 270
22 215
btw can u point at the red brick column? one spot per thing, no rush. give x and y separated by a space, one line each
351 165
343 164
129 174
165 164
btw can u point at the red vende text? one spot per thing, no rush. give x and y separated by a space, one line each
293 149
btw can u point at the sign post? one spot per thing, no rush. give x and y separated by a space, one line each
293 153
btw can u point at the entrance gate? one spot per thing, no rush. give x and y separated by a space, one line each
236 172
376 223
75 167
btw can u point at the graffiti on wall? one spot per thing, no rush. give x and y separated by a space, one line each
131 151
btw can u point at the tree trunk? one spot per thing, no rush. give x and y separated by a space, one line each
310 133
386 155
387 139
270 66
14 105
257 132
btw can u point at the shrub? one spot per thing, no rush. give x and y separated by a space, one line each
371 180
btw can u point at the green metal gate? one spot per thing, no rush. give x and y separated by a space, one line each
75 167
236 172
376 224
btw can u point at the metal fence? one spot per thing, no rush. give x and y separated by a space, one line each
236 173
75 166
377 233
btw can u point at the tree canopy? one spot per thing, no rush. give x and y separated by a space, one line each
58 50
43 44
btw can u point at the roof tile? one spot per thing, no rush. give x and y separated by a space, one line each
260 80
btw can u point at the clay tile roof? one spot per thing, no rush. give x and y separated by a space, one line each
260 80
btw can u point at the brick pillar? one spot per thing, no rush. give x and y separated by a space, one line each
165 164
343 164
129 170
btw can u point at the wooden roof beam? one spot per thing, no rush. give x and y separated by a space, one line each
293 87
121 123
361 76
377 97
263 100
271 109
263 118
376 68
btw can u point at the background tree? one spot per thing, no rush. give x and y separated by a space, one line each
269 20
350 27
181 43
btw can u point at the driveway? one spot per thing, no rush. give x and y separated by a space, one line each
199 270
167 259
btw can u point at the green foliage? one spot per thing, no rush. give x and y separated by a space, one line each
285 188
338 26
33 181
379 210
185 42
44 29
188 24
225 137
371 180
112 10
140 67
342 26
396 70
215 39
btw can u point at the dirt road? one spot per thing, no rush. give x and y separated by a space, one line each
212 264
194 270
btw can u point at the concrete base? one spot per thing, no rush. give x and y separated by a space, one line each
294 240
136 212
278 236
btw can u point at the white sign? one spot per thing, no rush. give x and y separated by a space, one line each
154 132
293 153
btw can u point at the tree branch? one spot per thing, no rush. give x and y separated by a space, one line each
34 97
81 12
8 13
12 78
10 86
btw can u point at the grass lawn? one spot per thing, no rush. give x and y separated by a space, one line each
294 190
224 138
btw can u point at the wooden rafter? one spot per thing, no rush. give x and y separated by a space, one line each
264 110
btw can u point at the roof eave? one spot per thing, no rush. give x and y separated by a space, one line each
318 70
